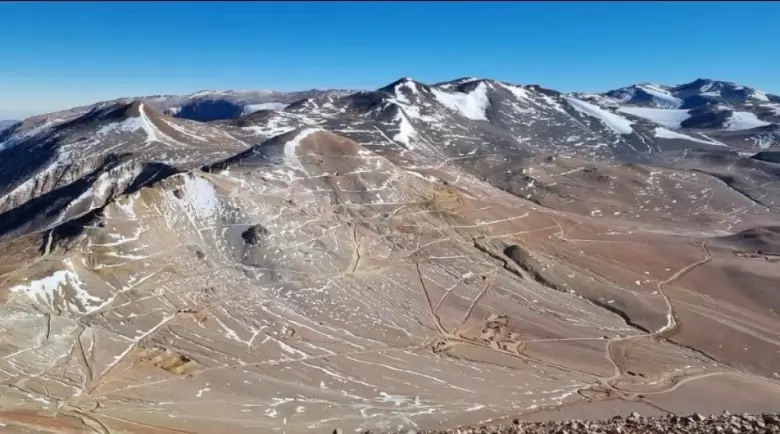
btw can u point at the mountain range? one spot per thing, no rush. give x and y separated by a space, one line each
416 256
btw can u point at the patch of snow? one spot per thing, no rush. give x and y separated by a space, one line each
471 105
663 133
397 400
758 96
48 289
411 110
743 121
290 147
518 92
670 118
251 108
271 128
406 130
616 123
552 103
128 125
147 125
202 93
201 195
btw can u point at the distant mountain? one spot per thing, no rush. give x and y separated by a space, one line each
698 93
207 106
7 124
211 105
473 120
732 114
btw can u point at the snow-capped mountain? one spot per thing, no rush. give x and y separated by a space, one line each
473 116
646 94
698 93
485 125
210 105
739 116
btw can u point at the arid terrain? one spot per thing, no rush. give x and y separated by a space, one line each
416 257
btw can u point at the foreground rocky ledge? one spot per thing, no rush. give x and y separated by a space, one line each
635 424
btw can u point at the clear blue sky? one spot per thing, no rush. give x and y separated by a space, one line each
57 55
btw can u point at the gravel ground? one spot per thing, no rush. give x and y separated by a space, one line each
633 424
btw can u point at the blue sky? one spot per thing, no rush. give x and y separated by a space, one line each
57 55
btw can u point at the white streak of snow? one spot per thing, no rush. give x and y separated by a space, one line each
670 118
406 131
616 123
743 121
251 108
662 97
291 146
663 133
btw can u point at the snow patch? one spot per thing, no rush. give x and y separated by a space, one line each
406 131
663 133
52 290
743 121
471 105
147 125
670 118
251 108
758 96
128 125
201 195
290 147
616 123
518 92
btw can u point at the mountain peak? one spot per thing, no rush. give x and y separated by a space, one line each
133 109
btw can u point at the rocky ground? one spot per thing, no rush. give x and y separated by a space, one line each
635 423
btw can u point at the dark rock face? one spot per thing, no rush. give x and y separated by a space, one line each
768 156
254 234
